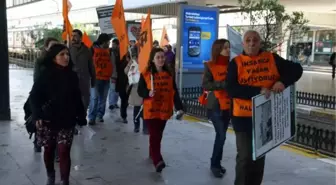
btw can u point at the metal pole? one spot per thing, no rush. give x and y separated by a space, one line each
180 70
4 65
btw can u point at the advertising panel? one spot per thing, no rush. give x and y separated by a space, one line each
104 18
199 29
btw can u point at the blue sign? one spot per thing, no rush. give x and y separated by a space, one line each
199 29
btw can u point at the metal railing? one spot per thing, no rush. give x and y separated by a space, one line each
318 136
20 59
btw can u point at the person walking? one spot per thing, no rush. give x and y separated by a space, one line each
332 62
38 69
252 73
82 65
218 101
134 99
56 105
158 89
113 94
104 68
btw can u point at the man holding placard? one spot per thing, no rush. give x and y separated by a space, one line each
252 73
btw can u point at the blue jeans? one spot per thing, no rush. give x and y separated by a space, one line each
98 98
220 119
113 95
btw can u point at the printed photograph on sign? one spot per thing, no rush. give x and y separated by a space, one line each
134 30
264 116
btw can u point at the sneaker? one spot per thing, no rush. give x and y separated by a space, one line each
92 122
217 172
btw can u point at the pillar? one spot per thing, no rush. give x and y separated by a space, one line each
4 65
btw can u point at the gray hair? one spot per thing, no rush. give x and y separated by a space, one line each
252 31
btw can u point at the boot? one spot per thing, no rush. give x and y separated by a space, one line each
51 178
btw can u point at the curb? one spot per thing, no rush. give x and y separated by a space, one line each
316 112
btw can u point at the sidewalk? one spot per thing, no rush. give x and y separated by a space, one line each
117 156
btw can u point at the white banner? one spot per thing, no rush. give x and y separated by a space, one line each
272 122
104 17
236 41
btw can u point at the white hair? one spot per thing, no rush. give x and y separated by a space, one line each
252 31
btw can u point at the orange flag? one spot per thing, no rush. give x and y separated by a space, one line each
145 43
86 40
119 25
164 38
67 28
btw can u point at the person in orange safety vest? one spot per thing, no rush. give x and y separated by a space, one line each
214 81
252 73
158 89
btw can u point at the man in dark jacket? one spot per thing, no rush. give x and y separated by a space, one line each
113 95
83 66
252 73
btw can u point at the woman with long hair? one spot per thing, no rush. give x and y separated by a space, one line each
158 89
218 101
56 105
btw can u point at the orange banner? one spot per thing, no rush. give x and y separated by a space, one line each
86 40
164 38
145 43
119 24
67 28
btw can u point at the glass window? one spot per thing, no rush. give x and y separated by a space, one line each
325 41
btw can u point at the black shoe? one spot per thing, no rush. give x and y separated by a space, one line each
116 106
92 122
101 120
217 172
160 166
76 131
124 121
51 179
136 130
37 148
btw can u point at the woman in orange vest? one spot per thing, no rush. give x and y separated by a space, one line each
218 101
158 88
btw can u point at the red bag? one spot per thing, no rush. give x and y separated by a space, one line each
203 99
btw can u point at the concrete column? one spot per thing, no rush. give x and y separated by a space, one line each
4 65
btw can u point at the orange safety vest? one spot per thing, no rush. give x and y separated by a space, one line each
161 105
219 73
258 71
102 63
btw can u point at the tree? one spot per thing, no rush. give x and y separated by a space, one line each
270 19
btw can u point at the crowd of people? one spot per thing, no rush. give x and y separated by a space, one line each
72 85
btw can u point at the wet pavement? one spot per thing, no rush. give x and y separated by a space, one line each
115 155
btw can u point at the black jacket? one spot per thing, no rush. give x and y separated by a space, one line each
59 86
289 72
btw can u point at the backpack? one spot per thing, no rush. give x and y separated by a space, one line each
133 73
30 125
